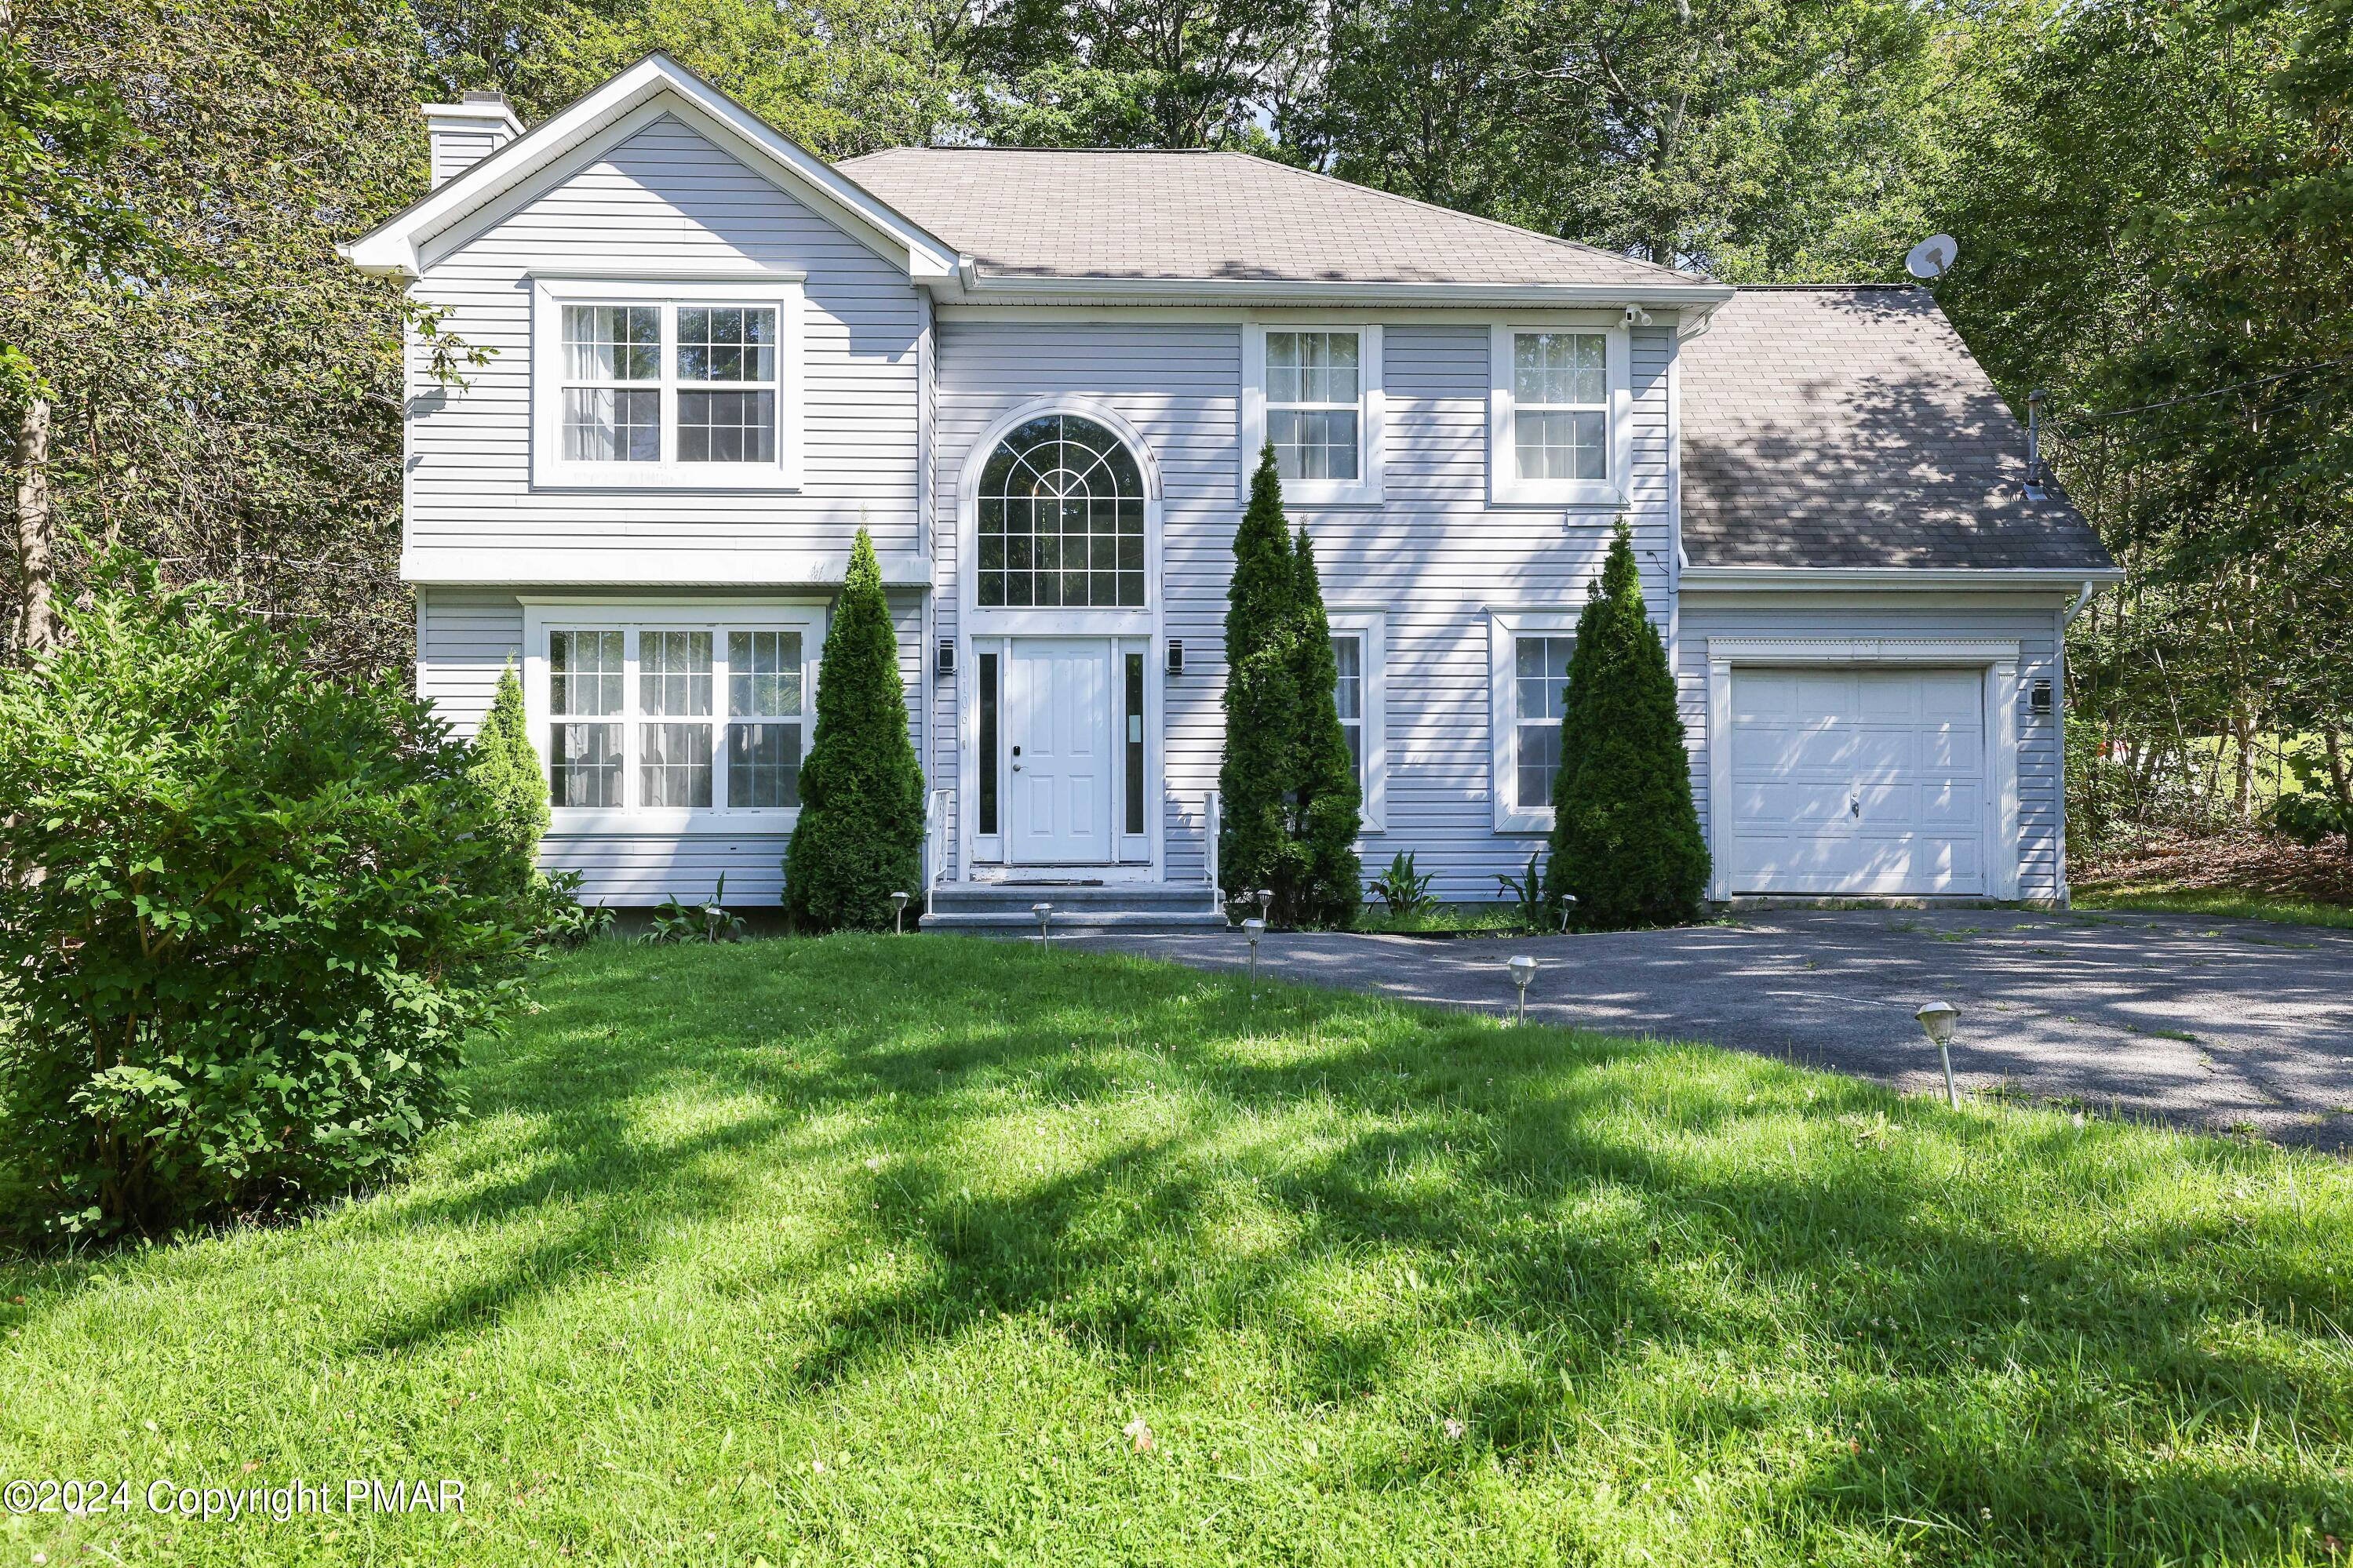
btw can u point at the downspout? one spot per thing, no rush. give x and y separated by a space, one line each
2081 599
2059 716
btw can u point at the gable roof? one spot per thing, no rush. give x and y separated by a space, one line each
1227 222
652 88
1849 427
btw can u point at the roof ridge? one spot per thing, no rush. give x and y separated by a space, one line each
1576 244
1795 288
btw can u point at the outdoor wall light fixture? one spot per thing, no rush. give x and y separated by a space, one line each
1937 1019
1045 913
1175 656
899 913
1524 970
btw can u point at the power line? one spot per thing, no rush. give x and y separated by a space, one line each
2211 391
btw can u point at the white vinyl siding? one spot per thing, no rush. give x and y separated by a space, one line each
665 207
1435 556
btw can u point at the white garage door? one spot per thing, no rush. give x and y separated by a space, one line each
1858 781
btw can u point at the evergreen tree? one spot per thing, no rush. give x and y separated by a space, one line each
860 833
1258 776
1330 811
1625 840
506 766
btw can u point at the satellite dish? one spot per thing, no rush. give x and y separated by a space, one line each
1931 258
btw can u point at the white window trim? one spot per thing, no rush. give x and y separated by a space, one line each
1367 488
769 290
719 616
1505 486
1371 627
1503 707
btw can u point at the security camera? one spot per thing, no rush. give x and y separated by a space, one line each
1637 317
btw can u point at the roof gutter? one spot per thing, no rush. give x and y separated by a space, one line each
1812 579
975 285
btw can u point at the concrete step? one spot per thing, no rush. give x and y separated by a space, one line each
1078 906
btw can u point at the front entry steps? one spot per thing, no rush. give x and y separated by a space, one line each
1079 906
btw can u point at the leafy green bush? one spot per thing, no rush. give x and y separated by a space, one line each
1533 904
507 768
1405 891
860 833
563 922
675 921
1625 840
247 918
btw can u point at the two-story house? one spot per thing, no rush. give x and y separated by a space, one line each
1040 379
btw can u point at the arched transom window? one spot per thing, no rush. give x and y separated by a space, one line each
1061 518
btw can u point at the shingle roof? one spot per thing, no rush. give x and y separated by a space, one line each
1850 427
1214 216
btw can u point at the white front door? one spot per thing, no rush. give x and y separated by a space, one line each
1859 781
1059 760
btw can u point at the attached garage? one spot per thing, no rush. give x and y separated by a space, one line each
1858 781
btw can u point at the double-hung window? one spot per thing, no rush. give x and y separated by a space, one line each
672 719
1359 653
1558 416
639 384
1529 653
1313 392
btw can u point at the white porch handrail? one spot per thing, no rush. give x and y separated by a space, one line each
935 843
1212 822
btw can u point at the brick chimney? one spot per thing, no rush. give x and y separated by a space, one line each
466 131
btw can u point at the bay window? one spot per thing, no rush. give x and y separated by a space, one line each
689 384
667 719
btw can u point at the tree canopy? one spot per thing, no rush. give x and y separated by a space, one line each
2153 198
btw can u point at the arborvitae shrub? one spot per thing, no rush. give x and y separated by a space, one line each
860 838
1626 837
507 768
1258 777
1330 810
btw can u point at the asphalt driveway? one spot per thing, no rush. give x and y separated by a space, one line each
2218 1024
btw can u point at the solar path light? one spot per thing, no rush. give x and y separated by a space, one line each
1253 929
899 913
1524 970
1265 896
1045 913
1567 908
1937 1019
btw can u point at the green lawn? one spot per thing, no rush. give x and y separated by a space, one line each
2235 902
870 1252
